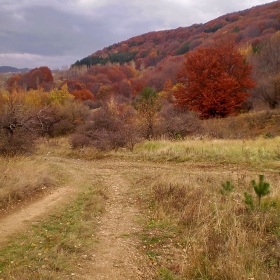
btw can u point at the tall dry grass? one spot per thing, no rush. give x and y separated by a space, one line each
258 152
214 235
23 177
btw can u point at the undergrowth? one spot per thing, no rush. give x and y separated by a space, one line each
196 232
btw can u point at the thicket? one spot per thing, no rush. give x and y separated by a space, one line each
110 127
120 125
27 116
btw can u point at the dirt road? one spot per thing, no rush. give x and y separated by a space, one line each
116 254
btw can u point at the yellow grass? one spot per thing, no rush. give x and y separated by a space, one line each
210 235
192 230
22 177
253 152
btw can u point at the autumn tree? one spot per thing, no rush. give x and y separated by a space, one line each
13 83
148 107
82 94
21 123
61 96
36 78
267 72
214 81
167 91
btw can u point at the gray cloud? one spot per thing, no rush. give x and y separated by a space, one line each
56 33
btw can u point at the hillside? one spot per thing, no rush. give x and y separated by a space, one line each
153 60
250 26
9 69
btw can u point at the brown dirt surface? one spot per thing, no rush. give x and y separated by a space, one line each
117 255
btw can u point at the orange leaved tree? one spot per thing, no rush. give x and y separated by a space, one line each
214 81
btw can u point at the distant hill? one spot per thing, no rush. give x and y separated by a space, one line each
250 26
9 69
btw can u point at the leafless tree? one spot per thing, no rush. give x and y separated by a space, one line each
267 72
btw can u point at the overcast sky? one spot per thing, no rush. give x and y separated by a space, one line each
56 33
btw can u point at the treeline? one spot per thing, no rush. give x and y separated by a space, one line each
249 27
27 116
36 78
126 81
112 106
118 57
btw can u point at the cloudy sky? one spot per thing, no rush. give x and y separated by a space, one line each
56 33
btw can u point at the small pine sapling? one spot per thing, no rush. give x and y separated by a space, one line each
262 188
227 188
249 200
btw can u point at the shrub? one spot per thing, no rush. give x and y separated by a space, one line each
113 126
176 124
79 140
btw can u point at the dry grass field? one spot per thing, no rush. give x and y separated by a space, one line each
159 212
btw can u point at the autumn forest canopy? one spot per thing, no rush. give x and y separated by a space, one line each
160 84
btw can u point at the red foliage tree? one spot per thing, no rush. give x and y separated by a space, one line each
214 81
13 83
73 85
38 77
82 94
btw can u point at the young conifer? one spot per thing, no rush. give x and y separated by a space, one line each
261 189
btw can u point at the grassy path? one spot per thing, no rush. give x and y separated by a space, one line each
133 219
94 219
19 219
116 255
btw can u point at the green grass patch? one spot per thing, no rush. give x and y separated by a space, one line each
258 152
165 274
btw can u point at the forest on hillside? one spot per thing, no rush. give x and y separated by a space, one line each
248 27
119 102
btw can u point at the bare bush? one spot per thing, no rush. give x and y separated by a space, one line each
17 126
79 140
113 126
177 124
266 72
62 127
